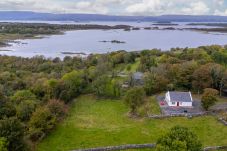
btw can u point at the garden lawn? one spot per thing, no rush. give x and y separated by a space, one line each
95 123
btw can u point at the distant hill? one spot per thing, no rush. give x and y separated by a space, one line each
26 15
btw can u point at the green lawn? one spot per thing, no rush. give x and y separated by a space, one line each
95 123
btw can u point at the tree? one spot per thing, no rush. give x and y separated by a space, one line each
209 98
201 78
25 103
184 75
134 98
52 88
155 83
179 139
3 144
22 95
13 131
105 86
146 62
25 109
57 108
41 122
218 75
74 83
7 109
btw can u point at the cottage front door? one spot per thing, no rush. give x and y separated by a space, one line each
178 104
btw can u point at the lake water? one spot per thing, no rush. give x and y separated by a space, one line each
88 41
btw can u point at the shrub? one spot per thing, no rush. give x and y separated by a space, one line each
41 122
13 131
179 139
57 108
134 98
3 144
209 98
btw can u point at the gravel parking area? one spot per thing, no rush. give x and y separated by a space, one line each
168 110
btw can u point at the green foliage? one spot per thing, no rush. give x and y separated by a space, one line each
7 109
3 144
25 109
220 57
25 103
146 62
134 98
106 87
13 131
94 122
73 84
28 83
41 122
179 139
23 95
155 83
184 75
57 108
209 98
201 78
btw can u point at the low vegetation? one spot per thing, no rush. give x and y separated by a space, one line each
94 122
179 139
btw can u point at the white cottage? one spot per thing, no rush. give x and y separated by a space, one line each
182 99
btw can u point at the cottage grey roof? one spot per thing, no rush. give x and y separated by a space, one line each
180 97
138 76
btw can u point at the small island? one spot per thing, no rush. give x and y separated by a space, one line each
114 41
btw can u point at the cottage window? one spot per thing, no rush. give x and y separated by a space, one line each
173 103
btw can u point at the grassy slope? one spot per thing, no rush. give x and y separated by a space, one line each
94 123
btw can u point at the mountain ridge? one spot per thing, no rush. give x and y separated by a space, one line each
29 15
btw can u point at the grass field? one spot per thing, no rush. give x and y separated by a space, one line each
95 123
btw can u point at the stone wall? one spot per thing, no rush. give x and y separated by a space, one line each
223 121
189 115
215 148
141 146
122 147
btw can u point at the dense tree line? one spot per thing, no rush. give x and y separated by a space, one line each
35 92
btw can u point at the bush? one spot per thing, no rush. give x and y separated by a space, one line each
135 98
42 121
22 95
3 144
13 131
36 135
57 108
209 98
179 139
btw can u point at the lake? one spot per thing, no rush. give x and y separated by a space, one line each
89 41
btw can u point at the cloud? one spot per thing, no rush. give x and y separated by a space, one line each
220 13
146 6
188 7
196 8
120 7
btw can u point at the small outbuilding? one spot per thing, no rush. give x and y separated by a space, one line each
181 99
137 78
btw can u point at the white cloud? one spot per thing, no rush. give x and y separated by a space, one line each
196 8
190 7
146 6
219 2
121 7
220 13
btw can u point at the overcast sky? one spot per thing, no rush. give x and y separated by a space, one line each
120 7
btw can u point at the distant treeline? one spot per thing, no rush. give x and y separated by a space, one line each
42 28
